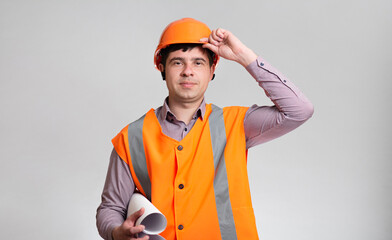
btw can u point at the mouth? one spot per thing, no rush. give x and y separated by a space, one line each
187 84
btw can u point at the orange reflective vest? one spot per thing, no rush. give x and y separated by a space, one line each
199 183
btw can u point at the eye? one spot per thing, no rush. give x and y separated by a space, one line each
198 63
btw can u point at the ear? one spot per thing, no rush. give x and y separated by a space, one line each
212 69
161 67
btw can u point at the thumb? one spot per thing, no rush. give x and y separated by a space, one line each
134 216
208 45
211 47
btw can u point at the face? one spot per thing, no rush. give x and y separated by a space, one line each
187 75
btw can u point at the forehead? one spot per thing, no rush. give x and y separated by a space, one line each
196 52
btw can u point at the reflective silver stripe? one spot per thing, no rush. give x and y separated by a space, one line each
136 147
221 184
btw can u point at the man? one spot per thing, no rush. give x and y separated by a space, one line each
188 157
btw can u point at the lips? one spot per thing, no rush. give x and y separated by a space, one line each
187 84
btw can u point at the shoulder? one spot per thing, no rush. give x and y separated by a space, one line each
230 113
137 124
235 112
231 109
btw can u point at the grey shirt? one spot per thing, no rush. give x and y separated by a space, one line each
262 123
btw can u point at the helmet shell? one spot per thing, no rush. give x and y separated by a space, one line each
186 30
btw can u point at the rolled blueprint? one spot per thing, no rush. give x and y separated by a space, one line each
152 219
152 237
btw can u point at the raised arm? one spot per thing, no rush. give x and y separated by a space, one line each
291 109
263 123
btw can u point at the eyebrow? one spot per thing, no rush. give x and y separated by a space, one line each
182 59
176 58
199 59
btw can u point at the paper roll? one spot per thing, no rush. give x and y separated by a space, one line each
152 237
152 219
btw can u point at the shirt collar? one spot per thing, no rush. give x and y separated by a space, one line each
167 114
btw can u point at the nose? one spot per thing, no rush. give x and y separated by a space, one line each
187 71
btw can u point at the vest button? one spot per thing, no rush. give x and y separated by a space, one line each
181 186
180 147
180 227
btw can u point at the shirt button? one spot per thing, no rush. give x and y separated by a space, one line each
186 129
181 186
261 64
284 81
180 147
180 227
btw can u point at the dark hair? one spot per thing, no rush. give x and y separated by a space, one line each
184 47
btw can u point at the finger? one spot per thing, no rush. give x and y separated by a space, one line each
134 216
215 37
136 229
145 237
213 41
203 40
211 47
220 32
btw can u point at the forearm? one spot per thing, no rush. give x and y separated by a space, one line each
107 220
283 93
117 191
291 109
246 56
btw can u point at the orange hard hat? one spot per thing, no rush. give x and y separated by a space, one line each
186 30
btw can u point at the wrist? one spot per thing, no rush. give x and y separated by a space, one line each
247 57
114 233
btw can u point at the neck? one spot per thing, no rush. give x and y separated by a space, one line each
184 111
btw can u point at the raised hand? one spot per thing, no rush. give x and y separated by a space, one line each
226 45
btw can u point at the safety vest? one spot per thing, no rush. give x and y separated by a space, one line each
199 183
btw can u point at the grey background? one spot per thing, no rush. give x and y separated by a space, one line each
74 73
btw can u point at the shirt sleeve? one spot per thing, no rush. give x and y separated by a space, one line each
116 194
291 109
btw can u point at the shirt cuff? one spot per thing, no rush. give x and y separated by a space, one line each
110 230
